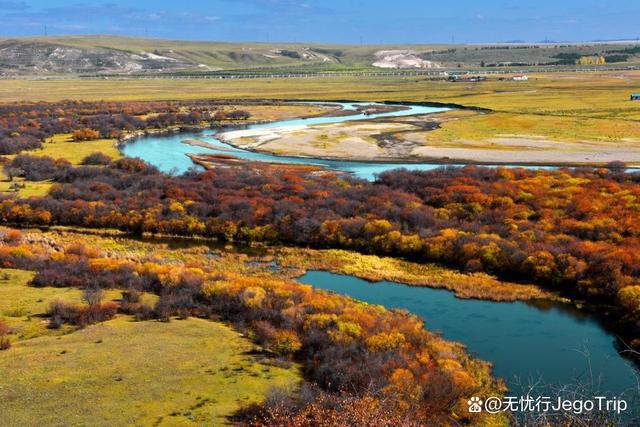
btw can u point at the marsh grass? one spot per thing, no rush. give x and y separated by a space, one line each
375 269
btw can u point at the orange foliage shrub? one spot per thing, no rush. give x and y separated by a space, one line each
361 357
85 134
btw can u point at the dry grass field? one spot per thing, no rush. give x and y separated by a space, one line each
563 106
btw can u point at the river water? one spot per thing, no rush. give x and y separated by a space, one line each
555 343
169 154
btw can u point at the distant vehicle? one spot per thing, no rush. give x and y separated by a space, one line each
520 78
635 97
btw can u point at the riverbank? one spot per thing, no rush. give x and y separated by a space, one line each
261 112
437 138
372 268
204 144
426 139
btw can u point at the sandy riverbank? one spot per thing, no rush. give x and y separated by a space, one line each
205 144
404 140
253 138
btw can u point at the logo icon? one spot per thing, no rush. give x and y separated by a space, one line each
475 405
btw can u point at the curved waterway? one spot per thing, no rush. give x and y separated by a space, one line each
169 154
526 342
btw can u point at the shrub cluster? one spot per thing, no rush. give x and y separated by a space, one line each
576 230
24 126
360 358
97 159
80 315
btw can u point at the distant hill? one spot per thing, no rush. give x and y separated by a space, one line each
87 55
19 57
107 54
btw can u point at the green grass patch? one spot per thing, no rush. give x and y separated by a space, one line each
23 307
191 372
63 146
59 146
468 126
30 189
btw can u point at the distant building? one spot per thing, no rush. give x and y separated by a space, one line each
635 96
520 78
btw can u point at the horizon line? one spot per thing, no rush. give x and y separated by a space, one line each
450 43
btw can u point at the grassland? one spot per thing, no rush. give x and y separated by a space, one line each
189 372
546 100
25 188
122 372
59 146
280 112
598 94
24 307
470 125
63 146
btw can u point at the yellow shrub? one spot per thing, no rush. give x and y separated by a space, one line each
630 297
21 251
385 341
286 342
253 297
320 321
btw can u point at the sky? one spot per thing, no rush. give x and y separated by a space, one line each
330 21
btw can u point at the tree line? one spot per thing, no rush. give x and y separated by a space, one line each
574 230
26 126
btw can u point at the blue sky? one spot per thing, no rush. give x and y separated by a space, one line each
330 21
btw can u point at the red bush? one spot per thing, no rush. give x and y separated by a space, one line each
5 343
80 315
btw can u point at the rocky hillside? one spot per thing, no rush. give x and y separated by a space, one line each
34 58
130 55
127 55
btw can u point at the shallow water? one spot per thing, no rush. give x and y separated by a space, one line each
169 154
550 341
